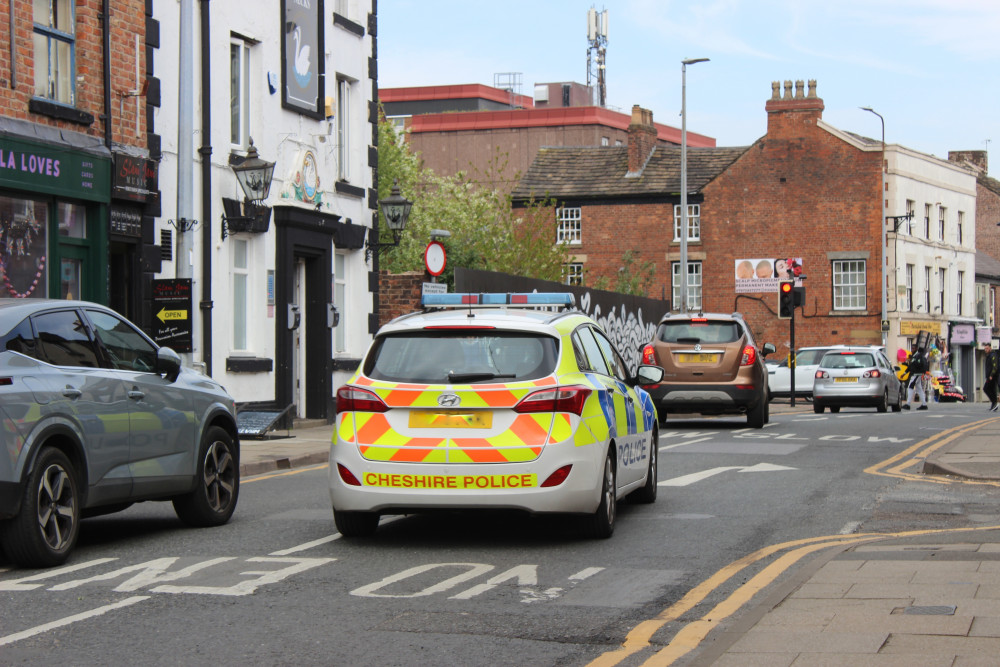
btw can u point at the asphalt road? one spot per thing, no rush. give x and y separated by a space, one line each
277 585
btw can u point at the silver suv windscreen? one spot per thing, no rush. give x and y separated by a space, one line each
837 360
461 357
699 331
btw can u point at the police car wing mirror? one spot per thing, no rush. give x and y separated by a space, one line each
648 375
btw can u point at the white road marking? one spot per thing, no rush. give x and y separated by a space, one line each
21 585
307 545
687 480
37 630
583 574
850 527
681 444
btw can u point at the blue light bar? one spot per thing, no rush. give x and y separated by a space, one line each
522 299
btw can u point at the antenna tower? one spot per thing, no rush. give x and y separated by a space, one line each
597 46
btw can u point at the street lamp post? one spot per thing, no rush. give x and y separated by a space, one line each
882 196
684 182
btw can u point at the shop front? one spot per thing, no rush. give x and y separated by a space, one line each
53 211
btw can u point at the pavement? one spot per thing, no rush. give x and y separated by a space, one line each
927 598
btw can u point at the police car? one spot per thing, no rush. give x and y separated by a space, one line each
488 401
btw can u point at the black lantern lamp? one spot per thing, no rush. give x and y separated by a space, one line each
396 211
254 175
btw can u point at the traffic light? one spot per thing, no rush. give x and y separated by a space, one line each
800 295
786 299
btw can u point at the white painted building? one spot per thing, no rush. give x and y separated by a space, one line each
296 77
931 238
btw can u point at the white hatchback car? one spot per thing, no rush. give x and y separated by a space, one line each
486 404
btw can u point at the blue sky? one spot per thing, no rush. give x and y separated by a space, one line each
931 68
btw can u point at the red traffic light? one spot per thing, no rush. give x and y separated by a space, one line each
786 286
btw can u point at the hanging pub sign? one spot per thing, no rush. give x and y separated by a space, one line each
135 178
302 57
171 325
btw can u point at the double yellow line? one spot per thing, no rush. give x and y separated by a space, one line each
690 636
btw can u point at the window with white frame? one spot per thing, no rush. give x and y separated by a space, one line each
693 285
849 280
54 37
942 286
569 227
960 281
694 222
239 92
941 217
911 208
573 273
241 279
340 300
908 292
927 289
959 224
927 221
344 96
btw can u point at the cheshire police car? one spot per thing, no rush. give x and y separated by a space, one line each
485 401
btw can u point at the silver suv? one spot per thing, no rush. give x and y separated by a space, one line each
94 416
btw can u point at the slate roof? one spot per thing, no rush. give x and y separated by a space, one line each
986 266
600 172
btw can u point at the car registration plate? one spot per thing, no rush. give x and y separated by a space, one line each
703 358
451 419
845 379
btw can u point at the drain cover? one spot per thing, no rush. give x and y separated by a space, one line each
932 610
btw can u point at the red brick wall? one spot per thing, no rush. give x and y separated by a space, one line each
128 18
399 293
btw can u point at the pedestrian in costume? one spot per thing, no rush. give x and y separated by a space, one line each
991 369
916 367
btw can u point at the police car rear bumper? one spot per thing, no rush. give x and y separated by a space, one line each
415 486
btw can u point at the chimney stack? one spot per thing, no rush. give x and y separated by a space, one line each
641 139
978 159
787 113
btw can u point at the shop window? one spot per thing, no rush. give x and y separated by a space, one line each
54 37
23 247
340 300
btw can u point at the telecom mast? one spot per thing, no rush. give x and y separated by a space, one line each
597 41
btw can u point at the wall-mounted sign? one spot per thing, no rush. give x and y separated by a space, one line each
302 57
764 274
135 178
171 325
963 334
37 167
126 221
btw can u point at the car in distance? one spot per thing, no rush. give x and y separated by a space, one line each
711 365
779 376
482 401
856 376
95 416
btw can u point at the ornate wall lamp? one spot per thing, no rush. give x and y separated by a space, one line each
254 175
396 211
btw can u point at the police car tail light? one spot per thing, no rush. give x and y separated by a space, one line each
347 476
749 355
558 477
353 399
649 355
562 399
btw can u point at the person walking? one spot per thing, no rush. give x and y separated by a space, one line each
916 368
991 370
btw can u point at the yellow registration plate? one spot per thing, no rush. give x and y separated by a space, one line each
698 358
845 379
451 419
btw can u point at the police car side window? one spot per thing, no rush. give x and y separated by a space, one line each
595 358
581 358
617 365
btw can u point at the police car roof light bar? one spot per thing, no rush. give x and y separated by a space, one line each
493 299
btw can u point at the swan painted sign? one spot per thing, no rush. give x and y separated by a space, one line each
302 87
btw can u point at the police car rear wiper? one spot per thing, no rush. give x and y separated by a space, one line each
459 378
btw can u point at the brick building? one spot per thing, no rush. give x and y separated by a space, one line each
806 194
465 127
78 179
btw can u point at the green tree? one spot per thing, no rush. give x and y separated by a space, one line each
631 278
486 231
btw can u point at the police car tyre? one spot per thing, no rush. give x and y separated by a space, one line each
44 532
647 494
883 405
601 524
217 486
355 524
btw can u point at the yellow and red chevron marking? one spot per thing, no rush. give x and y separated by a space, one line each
399 395
523 441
